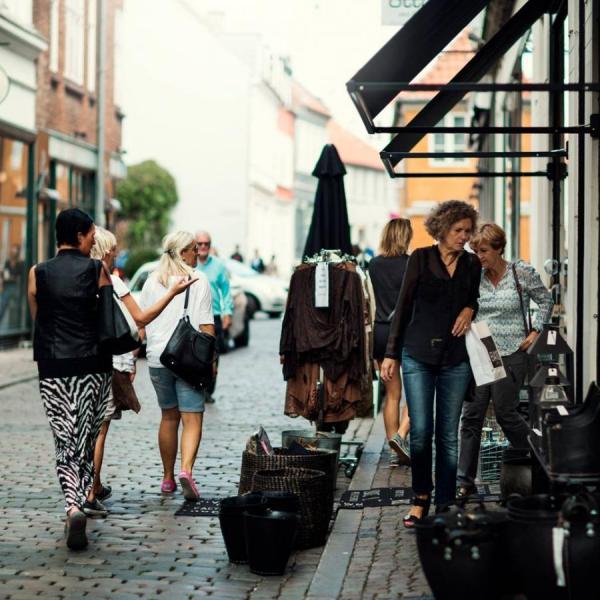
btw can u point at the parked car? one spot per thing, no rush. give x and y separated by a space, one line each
239 332
264 292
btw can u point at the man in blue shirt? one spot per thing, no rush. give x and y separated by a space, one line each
216 273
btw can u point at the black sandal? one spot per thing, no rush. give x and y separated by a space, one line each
409 521
466 490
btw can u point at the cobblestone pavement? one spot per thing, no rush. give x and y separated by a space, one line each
385 563
141 550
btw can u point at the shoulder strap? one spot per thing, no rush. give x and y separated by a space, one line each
526 325
187 298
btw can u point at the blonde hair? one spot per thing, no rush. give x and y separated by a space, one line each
396 237
491 234
104 242
171 262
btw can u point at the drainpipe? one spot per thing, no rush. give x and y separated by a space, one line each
100 111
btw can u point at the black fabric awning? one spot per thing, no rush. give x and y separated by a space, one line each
421 39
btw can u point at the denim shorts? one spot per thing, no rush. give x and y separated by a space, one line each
173 392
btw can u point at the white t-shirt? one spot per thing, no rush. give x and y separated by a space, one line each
160 330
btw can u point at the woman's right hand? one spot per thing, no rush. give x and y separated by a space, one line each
182 285
388 366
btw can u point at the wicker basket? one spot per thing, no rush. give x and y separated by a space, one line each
315 496
321 460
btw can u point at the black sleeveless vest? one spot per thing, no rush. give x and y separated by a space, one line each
65 342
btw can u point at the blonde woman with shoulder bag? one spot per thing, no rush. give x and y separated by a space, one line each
178 400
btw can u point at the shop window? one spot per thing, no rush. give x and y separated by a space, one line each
74 40
13 220
449 142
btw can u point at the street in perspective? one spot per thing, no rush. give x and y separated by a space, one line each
300 300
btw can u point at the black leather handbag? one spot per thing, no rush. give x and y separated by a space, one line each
117 330
190 353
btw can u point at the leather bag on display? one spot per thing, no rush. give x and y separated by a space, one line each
573 440
190 353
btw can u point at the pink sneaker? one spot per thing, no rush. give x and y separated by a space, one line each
168 486
190 491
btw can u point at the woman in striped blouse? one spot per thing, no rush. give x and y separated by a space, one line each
504 295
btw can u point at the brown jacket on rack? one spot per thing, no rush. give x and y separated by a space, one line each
333 337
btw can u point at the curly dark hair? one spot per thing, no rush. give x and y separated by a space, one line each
443 216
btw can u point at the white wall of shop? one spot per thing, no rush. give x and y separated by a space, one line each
184 113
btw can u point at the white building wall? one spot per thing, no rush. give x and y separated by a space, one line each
184 113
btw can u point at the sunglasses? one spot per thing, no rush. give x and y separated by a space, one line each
207 244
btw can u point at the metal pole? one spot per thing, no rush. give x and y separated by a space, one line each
100 110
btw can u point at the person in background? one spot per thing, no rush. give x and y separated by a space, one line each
105 249
434 311
387 272
257 263
237 255
222 301
500 307
74 373
178 401
271 268
11 287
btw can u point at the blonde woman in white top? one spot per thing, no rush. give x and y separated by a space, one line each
178 400
105 249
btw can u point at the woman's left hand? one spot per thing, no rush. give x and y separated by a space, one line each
463 322
528 341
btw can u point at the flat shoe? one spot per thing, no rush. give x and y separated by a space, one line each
75 535
168 486
190 491
105 493
400 447
464 491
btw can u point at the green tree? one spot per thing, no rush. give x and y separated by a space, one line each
148 194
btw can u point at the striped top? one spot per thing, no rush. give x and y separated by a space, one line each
500 308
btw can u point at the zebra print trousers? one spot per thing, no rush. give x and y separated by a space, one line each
75 408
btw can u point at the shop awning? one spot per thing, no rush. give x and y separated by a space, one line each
381 80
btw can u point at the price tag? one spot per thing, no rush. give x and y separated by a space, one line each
537 431
562 411
551 339
558 541
322 286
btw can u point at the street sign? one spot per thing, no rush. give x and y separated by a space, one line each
398 12
4 84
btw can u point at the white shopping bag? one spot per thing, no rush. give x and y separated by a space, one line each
486 362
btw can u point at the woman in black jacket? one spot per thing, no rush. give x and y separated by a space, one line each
436 305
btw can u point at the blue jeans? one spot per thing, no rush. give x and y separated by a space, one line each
448 386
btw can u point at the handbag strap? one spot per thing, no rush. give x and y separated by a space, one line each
187 299
526 325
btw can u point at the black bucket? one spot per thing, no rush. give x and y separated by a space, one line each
515 473
231 518
281 501
270 539
529 546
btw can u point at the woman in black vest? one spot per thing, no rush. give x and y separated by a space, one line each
74 373
434 311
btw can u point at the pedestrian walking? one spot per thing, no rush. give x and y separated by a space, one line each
222 301
257 262
272 268
237 255
434 311
387 272
105 249
178 400
12 279
505 292
74 374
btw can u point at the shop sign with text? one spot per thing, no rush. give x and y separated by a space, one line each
398 12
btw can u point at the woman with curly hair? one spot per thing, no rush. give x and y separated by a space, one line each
434 311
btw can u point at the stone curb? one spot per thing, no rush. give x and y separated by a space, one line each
23 379
328 579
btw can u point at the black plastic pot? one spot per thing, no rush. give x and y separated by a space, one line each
460 553
231 518
281 501
270 539
515 473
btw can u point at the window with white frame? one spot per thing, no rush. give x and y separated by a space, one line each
449 142
91 45
74 40
54 35
20 10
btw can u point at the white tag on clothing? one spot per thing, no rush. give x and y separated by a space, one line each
551 339
562 411
558 541
322 285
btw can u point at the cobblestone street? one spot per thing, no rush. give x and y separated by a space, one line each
141 550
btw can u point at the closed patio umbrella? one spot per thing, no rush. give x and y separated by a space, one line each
329 229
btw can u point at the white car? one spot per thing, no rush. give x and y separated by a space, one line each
239 332
264 292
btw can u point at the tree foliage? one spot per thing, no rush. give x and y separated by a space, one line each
147 194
